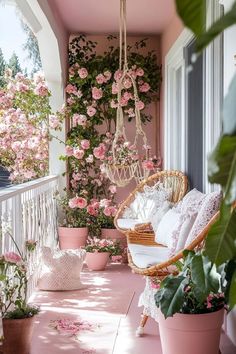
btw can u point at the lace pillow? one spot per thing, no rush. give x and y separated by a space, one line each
61 269
191 202
208 209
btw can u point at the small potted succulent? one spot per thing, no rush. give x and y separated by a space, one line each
99 251
191 307
17 315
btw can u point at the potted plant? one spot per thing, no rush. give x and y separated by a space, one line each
17 315
191 307
73 229
99 251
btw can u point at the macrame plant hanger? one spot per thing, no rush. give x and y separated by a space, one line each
122 174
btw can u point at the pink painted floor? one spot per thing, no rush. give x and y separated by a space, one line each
109 302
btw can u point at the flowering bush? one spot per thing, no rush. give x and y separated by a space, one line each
25 119
103 245
74 212
91 110
13 280
196 289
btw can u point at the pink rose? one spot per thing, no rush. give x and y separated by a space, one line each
54 121
118 75
71 89
85 144
139 72
107 75
112 189
127 96
127 83
99 151
107 211
83 73
12 257
79 119
69 150
148 165
92 210
140 105
100 79
144 87
114 88
77 202
78 153
89 159
123 102
97 93
41 89
91 111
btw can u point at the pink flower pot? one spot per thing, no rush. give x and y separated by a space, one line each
97 260
72 238
195 334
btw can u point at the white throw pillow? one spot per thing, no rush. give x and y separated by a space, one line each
61 269
187 224
209 207
147 202
158 215
168 227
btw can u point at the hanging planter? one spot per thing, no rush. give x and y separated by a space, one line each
124 162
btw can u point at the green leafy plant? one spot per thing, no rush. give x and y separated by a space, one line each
196 289
13 282
221 240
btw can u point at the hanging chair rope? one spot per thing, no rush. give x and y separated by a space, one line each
118 173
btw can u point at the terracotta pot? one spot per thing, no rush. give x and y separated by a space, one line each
17 335
72 238
97 260
195 334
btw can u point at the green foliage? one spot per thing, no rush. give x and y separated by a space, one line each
19 313
196 289
193 14
14 64
2 69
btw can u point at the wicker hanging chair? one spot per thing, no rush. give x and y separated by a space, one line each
174 180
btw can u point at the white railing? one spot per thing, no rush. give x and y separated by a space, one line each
28 211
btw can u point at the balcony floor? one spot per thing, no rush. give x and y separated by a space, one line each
109 302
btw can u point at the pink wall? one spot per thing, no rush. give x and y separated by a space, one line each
168 38
151 128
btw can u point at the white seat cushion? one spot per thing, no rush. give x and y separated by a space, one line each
127 223
146 256
61 269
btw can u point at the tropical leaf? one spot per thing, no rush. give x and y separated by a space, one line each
193 14
222 166
218 27
221 239
202 272
230 277
172 297
232 291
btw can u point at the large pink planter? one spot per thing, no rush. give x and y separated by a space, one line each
195 334
72 238
97 260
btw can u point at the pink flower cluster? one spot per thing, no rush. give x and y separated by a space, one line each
77 202
12 257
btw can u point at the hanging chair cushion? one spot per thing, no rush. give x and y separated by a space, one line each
146 203
175 226
146 256
127 224
158 215
209 208
61 269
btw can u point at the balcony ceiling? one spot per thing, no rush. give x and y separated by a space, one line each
102 16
